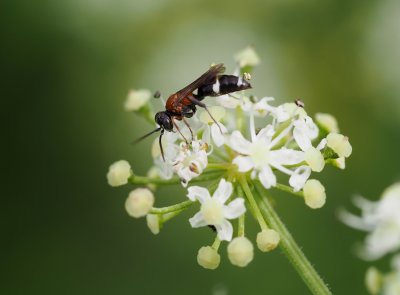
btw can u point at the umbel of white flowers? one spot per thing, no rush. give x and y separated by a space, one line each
236 157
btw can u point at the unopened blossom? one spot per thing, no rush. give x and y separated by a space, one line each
191 161
267 240
213 210
153 223
139 202
339 144
327 121
381 219
247 57
240 251
137 99
373 280
314 194
118 173
208 257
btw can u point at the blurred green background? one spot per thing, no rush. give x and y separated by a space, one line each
67 67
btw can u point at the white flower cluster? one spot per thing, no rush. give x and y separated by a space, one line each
381 220
231 150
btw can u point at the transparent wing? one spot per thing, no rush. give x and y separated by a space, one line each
206 78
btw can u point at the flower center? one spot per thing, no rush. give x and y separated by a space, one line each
212 212
259 153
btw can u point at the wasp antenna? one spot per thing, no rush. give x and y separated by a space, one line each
146 135
160 143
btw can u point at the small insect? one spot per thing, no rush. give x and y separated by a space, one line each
182 104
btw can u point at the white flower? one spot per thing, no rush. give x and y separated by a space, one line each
139 202
118 173
258 155
137 99
267 240
247 57
240 251
213 129
191 161
213 210
381 219
304 132
208 257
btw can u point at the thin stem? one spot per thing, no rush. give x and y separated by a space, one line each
173 208
253 204
288 189
241 226
216 243
165 217
142 180
289 246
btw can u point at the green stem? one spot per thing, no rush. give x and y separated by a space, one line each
253 204
289 246
288 189
143 180
173 208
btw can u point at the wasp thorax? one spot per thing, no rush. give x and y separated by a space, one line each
164 120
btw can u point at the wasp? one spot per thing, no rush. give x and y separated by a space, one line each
183 104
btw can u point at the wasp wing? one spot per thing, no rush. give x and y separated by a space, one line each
206 78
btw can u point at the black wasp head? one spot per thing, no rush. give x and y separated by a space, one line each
164 120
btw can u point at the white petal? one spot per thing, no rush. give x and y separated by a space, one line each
227 101
197 220
299 177
217 136
207 134
225 230
267 177
234 209
199 193
301 136
265 134
244 163
239 143
286 156
224 191
312 128
322 144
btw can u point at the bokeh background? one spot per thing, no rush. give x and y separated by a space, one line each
66 69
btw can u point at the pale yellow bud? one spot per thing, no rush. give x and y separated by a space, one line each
373 280
137 99
327 121
153 223
240 251
267 240
314 159
208 257
118 173
339 144
247 57
139 202
314 194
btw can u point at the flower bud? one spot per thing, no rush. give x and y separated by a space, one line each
339 162
118 173
314 159
208 257
153 223
267 240
339 144
327 122
314 194
240 251
137 99
247 57
373 280
139 202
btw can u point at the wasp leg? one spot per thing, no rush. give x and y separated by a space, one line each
188 126
179 130
203 105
